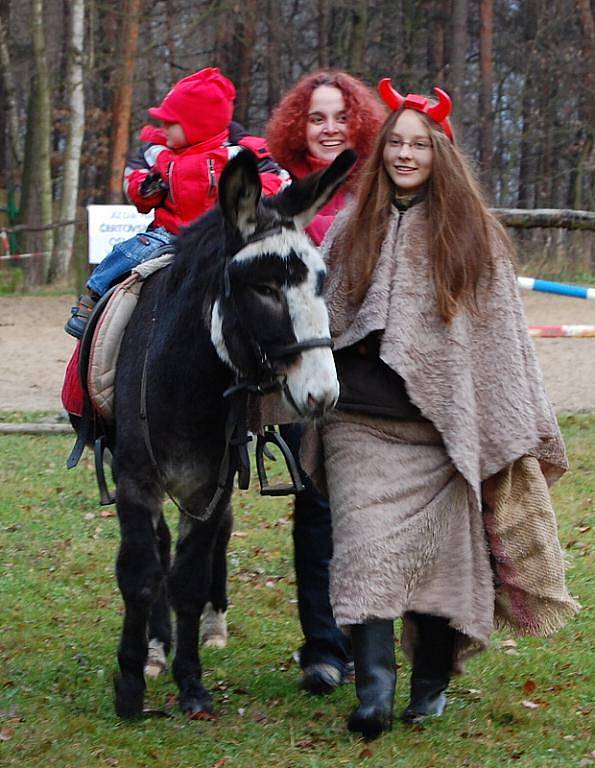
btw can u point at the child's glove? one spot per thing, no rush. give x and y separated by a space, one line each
153 184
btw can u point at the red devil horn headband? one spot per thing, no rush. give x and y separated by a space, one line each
437 112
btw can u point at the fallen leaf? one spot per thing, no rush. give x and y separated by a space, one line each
530 704
239 534
221 762
304 743
529 686
107 513
366 752
584 528
201 716
6 734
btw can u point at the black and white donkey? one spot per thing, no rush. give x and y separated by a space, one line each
240 306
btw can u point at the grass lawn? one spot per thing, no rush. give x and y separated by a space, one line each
526 702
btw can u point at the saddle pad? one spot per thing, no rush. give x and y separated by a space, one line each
105 346
72 392
109 333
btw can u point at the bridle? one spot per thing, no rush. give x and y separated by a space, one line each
266 380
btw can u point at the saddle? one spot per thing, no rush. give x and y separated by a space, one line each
88 389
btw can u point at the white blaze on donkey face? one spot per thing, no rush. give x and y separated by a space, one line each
312 379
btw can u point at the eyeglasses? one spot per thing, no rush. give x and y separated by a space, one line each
419 145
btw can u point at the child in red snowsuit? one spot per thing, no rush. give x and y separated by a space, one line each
178 175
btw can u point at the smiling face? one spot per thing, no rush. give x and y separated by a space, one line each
408 153
327 131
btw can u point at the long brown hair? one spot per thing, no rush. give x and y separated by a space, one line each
460 226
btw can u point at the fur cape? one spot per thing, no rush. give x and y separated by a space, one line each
478 381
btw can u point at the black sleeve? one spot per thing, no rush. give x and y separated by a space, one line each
136 160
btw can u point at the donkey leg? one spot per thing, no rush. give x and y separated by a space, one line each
213 622
140 577
190 583
160 635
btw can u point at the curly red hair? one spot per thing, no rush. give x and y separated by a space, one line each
286 128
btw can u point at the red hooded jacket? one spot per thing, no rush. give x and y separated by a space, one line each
191 175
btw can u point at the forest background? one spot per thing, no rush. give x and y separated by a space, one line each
76 78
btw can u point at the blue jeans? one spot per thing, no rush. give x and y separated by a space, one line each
125 256
313 550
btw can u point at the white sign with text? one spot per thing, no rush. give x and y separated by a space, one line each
111 224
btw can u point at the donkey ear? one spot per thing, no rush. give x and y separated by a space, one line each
239 192
305 197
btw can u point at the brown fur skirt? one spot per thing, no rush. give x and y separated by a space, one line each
407 532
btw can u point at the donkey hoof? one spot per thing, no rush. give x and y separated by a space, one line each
130 694
215 641
196 701
156 660
213 627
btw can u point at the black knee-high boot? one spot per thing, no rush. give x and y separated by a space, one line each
432 664
375 677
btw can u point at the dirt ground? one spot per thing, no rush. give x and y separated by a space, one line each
34 351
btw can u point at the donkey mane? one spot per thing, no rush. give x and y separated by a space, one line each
200 255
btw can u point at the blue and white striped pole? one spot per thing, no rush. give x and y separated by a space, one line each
562 289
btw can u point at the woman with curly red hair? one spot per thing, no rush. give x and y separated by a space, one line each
323 114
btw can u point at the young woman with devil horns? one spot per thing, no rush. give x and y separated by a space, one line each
437 459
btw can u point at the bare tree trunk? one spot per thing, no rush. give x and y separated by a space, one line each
11 115
225 53
359 29
547 164
122 100
170 36
274 54
324 12
486 140
437 32
586 162
587 24
340 36
36 194
74 140
460 11
245 47
410 27
43 118
525 162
